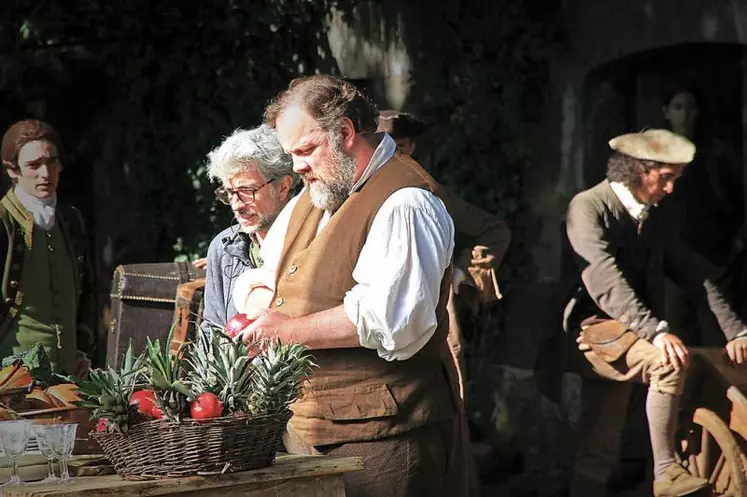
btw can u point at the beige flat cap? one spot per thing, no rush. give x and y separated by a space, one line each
658 145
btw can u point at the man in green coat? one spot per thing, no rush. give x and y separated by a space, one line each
623 248
45 276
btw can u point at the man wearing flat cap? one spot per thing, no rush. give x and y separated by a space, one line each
623 249
46 294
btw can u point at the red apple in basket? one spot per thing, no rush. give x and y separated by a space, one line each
102 425
206 406
145 400
237 323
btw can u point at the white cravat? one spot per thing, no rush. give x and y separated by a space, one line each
42 210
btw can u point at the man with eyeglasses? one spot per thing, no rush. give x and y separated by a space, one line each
257 180
47 296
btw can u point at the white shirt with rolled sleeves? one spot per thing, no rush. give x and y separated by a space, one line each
399 271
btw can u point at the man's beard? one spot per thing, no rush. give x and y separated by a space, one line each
330 193
264 219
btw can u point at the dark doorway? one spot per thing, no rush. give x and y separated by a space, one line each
624 96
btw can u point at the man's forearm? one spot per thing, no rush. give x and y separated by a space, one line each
328 329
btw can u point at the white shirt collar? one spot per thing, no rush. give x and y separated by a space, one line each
383 153
636 209
42 210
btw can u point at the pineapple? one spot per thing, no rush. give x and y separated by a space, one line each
277 375
200 360
165 376
108 392
221 366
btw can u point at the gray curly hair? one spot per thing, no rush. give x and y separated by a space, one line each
258 147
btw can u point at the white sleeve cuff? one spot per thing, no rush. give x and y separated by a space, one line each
662 327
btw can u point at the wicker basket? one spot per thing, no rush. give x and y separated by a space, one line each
160 448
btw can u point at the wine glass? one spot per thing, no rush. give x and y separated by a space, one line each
14 436
45 439
62 445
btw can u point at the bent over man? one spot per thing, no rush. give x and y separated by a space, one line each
623 249
257 180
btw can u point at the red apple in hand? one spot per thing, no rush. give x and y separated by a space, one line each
236 324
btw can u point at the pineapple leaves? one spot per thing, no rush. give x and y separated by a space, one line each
166 376
213 362
107 392
221 366
265 385
278 374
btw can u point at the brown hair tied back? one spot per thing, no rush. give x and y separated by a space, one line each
23 132
328 100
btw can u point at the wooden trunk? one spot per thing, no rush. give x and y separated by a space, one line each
143 299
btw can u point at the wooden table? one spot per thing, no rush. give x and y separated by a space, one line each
290 475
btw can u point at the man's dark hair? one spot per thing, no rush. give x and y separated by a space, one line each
328 100
627 170
23 132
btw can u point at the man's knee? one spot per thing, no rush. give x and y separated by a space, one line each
665 378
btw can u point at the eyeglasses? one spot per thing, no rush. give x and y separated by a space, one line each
244 193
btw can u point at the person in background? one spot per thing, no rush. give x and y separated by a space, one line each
623 246
708 208
48 295
482 240
257 181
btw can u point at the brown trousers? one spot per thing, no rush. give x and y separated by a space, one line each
414 463
435 460
604 407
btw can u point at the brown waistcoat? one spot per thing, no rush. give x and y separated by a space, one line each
355 395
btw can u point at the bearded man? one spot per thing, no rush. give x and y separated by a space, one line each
362 279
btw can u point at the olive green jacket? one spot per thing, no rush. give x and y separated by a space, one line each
15 239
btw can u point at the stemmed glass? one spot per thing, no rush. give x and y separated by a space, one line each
14 436
63 442
45 439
